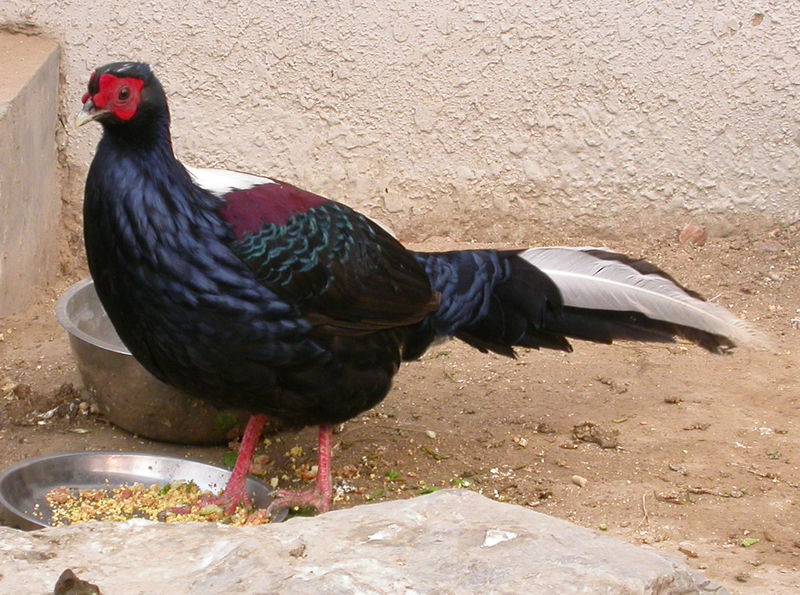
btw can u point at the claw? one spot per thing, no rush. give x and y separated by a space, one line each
320 497
287 500
228 502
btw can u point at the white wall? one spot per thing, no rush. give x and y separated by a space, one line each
437 107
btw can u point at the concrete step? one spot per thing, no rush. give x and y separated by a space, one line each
30 203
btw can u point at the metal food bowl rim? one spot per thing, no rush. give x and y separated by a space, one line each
10 507
66 322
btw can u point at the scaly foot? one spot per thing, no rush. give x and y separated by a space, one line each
320 497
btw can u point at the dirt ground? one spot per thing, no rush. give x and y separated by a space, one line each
690 453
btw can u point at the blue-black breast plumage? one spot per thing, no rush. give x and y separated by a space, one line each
250 292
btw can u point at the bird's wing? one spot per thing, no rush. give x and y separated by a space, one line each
345 273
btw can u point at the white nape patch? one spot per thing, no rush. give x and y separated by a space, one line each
222 181
495 536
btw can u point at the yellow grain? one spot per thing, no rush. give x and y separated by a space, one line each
180 502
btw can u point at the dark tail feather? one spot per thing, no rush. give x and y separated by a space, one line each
493 300
518 312
603 326
538 298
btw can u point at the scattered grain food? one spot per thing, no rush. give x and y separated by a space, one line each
178 502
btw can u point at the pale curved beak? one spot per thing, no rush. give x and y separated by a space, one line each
88 113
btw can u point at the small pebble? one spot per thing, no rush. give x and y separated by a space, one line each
749 541
69 584
298 551
260 464
430 433
688 548
693 234
579 481
768 246
7 385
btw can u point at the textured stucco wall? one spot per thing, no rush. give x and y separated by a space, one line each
445 107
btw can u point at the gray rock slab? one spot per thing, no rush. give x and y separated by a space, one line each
452 541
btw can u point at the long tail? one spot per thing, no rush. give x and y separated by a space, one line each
542 296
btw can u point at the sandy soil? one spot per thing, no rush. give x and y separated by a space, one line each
689 453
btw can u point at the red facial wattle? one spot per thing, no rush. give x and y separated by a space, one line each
118 96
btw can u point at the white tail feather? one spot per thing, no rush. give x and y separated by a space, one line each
586 281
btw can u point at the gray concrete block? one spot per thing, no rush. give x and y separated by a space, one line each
30 203
453 541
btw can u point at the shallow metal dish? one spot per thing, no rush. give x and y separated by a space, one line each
25 485
127 394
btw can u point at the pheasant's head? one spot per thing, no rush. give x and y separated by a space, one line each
122 94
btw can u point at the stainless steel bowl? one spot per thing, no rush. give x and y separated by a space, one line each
24 486
127 394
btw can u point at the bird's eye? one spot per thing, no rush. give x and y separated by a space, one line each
124 94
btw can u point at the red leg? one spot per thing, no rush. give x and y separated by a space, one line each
324 487
322 494
235 492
